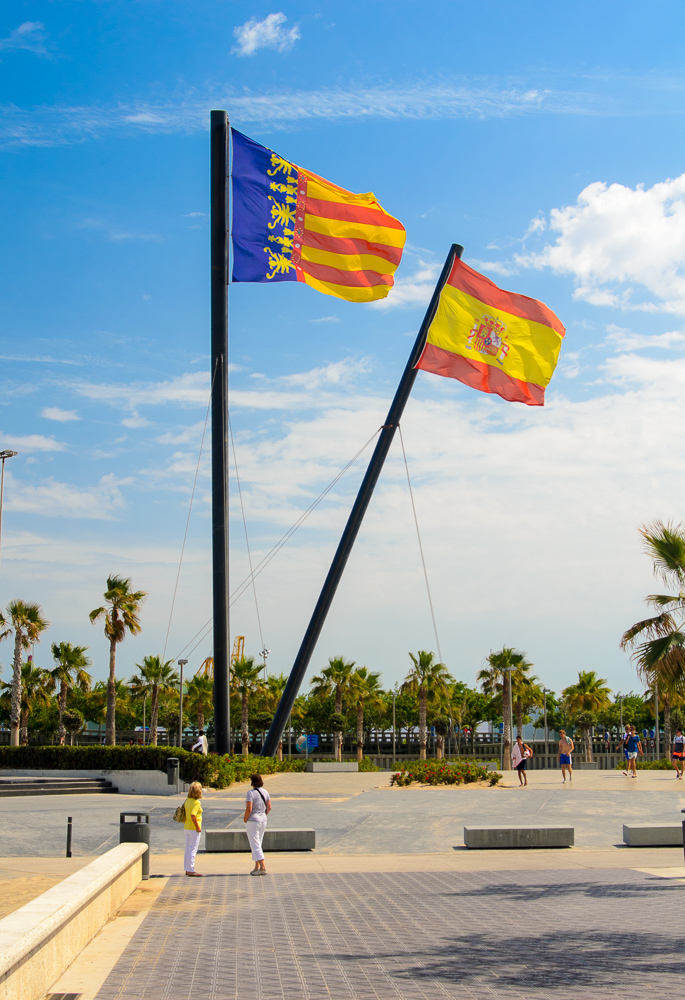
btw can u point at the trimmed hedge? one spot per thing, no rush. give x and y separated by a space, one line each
649 765
213 771
449 771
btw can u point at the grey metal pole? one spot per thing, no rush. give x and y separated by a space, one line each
656 716
394 738
354 521
219 375
69 836
544 692
3 455
144 700
181 664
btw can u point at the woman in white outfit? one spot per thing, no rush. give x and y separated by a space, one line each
257 808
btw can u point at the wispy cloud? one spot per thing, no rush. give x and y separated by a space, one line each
54 499
54 413
28 37
51 125
268 33
30 442
113 233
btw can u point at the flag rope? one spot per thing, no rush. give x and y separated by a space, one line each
418 535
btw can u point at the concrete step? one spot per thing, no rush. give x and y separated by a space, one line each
55 786
274 840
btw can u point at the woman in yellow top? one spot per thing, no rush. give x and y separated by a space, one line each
193 827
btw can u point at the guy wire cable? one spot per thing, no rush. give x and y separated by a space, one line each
262 564
247 540
190 508
418 535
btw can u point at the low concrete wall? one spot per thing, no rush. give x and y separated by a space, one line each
217 841
317 766
128 782
41 939
653 835
507 837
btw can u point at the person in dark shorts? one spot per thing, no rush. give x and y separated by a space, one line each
566 748
634 747
519 759
679 752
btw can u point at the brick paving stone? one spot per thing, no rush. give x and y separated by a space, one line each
598 934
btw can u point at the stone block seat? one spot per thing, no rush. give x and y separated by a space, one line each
653 835
217 841
486 838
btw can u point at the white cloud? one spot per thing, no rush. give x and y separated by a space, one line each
29 37
413 290
266 34
30 442
624 340
135 420
54 499
620 243
284 108
326 319
191 389
54 413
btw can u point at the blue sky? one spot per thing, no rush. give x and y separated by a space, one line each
547 139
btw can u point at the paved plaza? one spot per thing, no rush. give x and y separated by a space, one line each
418 935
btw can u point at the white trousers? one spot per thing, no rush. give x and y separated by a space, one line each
192 844
255 832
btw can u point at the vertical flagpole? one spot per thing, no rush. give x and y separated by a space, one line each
356 517
219 376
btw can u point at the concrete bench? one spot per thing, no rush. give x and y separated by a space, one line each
653 835
486 838
317 766
274 840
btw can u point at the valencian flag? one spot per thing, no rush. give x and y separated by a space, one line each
492 340
291 225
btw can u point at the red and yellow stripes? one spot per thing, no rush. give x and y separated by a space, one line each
491 339
345 244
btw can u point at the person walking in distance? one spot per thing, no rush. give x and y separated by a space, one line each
626 737
201 746
634 747
193 828
566 748
679 752
257 808
519 759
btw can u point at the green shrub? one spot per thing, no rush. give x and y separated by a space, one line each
451 771
213 771
366 765
649 765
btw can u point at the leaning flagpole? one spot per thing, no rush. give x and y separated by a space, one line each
219 410
355 519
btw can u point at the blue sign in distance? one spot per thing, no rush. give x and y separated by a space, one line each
312 742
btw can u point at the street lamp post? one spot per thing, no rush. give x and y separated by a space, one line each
264 653
394 738
545 692
3 456
181 664
656 716
508 670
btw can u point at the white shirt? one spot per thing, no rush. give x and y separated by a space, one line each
202 745
258 803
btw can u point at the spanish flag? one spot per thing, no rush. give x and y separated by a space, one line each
289 224
492 340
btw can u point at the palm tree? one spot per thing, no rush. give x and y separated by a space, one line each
335 679
36 685
427 679
660 657
583 699
27 622
364 690
121 614
495 680
154 677
198 697
275 686
70 670
247 681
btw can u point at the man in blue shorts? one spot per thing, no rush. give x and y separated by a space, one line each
634 747
566 747
624 746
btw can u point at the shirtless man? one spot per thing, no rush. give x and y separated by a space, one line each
566 748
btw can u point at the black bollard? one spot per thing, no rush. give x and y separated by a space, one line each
69 836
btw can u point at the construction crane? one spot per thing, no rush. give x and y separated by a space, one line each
206 668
